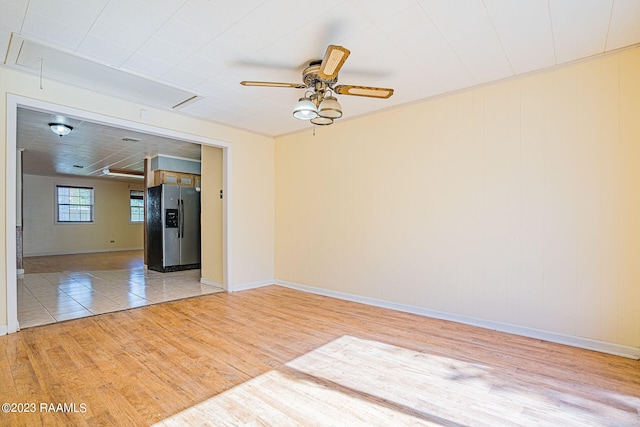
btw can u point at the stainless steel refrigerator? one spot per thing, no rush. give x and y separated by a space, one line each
173 228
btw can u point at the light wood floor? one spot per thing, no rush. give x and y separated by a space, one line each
250 352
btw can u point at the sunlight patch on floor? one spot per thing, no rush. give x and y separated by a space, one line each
353 381
278 399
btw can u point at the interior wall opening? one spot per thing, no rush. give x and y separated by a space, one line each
15 103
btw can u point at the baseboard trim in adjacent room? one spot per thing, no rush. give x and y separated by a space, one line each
88 251
574 341
3 330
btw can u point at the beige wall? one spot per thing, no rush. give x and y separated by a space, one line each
253 212
515 203
211 221
43 236
252 208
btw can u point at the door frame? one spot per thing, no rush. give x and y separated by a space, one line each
14 102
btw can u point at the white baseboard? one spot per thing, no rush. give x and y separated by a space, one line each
574 341
211 283
87 251
254 285
3 330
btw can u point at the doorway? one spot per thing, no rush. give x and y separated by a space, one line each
14 102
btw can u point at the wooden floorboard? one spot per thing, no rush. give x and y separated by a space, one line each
144 366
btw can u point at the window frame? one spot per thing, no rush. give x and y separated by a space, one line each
131 207
92 205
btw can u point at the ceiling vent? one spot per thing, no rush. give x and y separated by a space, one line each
35 58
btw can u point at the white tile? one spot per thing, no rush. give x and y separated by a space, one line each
476 43
115 34
71 315
254 32
60 303
87 300
178 33
423 43
50 32
31 321
213 58
34 278
215 17
65 12
99 307
147 65
380 11
135 14
104 50
50 297
625 24
134 304
73 286
579 31
524 28
161 51
165 7
13 12
182 77
95 5
111 290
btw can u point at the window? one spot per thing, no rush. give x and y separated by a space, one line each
136 206
74 204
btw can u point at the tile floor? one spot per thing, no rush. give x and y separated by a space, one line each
51 297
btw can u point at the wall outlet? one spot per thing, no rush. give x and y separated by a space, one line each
112 241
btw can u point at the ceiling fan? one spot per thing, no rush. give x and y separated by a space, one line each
319 105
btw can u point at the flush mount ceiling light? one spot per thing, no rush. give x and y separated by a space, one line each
319 106
60 129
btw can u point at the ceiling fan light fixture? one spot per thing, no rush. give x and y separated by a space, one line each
320 78
322 121
60 129
305 109
330 108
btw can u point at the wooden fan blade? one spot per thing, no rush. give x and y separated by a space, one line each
371 92
333 60
273 84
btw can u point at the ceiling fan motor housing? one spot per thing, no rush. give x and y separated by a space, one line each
310 75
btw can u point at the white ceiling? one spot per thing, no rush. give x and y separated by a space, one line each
421 48
90 147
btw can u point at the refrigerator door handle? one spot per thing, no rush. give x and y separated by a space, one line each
181 231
